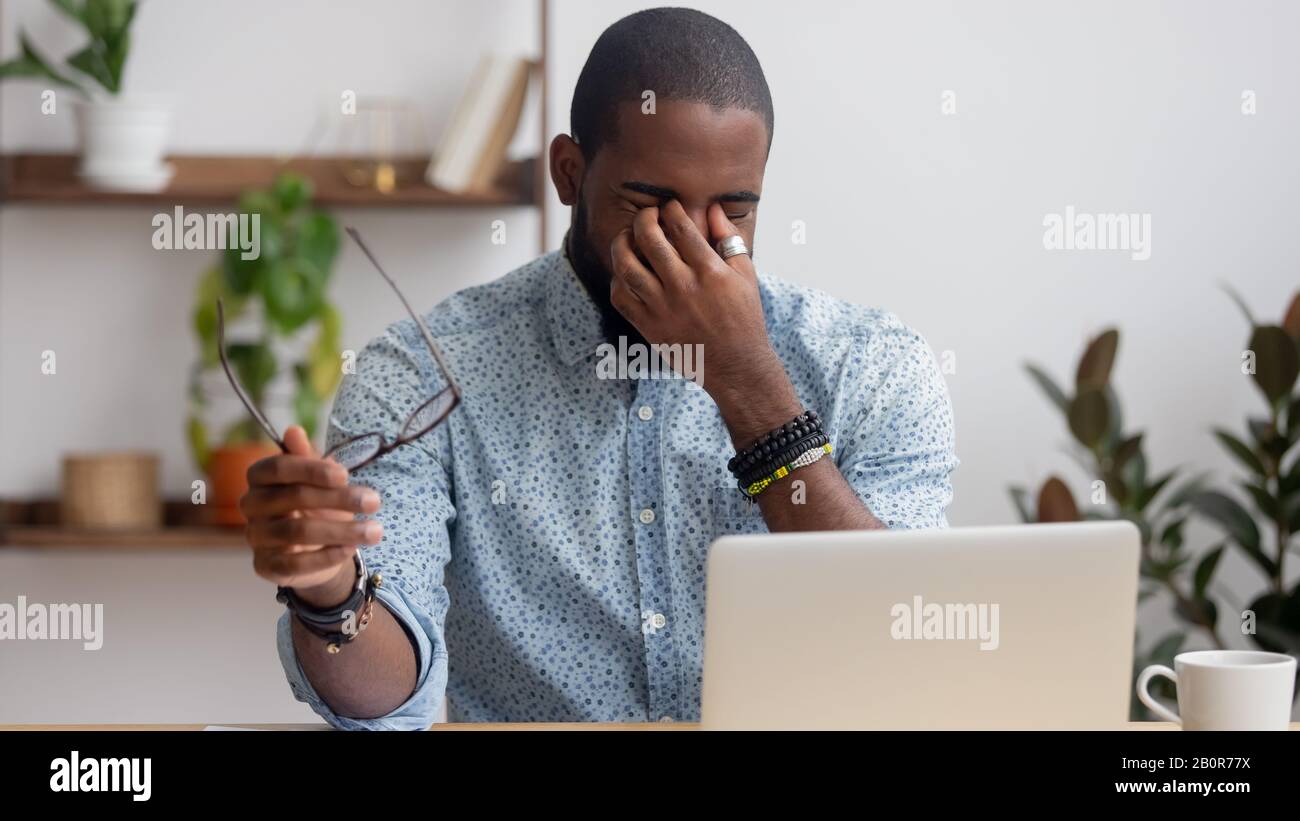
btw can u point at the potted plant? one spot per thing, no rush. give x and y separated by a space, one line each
122 138
1123 488
1268 454
296 340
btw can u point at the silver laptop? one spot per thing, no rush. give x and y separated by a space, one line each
1025 627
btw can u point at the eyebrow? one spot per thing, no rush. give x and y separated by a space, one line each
665 194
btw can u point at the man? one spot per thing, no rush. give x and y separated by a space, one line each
542 551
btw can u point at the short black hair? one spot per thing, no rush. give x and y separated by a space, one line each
679 54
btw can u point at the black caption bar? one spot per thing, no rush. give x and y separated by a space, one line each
326 771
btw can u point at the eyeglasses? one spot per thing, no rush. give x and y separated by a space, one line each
363 449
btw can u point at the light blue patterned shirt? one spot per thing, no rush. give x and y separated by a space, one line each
546 545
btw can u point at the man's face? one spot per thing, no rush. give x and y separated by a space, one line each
691 152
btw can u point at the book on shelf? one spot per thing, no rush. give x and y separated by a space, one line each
472 150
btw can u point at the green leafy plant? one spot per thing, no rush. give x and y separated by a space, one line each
107 22
289 278
1268 454
1271 461
1124 487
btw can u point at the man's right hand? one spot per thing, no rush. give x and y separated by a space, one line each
301 524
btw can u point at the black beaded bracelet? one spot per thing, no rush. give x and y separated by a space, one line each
802 425
783 457
771 446
773 443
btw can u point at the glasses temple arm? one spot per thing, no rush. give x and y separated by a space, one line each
252 409
419 323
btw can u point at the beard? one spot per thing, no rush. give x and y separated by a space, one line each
593 271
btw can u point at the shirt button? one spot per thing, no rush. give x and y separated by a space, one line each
658 620
645 413
647 516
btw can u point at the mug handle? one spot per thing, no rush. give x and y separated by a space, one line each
1146 698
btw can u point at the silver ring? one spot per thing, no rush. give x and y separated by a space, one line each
731 246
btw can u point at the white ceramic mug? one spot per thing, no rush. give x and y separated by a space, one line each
1226 690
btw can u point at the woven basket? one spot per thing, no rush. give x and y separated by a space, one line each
111 491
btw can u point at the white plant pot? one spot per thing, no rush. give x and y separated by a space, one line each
123 142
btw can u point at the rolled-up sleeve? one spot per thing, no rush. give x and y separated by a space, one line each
391 380
898 453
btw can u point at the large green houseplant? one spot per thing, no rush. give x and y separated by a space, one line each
1161 505
288 280
1268 454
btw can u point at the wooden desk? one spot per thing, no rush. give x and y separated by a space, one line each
653 727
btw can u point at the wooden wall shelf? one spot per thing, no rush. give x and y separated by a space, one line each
34 524
51 179
168 538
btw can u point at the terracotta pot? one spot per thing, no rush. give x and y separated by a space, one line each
228 477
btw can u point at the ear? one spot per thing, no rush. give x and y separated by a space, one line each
567 167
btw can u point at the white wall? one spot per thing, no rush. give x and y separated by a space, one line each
188 638
1107 106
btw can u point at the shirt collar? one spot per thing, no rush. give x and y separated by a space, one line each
574 318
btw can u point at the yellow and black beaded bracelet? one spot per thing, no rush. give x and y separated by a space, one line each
803 460
767 448
781 457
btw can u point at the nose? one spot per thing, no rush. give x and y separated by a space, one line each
700 216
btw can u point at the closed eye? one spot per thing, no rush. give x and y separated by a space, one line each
633 207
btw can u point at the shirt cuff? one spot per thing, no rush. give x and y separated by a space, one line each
418 711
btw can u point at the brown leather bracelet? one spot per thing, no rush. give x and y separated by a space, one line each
357 606
335 639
